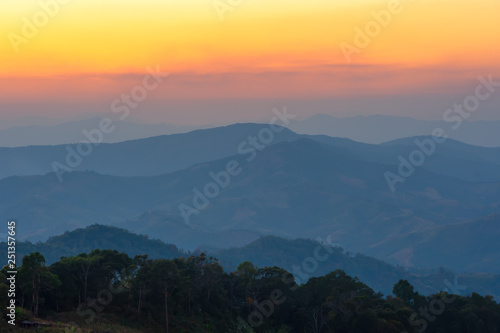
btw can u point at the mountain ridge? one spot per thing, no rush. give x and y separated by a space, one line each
299 188
266 251
377 129
154 156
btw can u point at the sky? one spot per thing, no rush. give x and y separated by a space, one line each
234 60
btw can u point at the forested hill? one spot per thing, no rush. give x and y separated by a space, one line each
307 258
97 237
302 257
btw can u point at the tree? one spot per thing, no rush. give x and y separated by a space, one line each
110 268
165 274
142 278
34 276
66 296
84 263
404 290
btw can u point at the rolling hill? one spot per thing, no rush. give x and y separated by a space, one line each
377 129
291 189
97 237
268 251
143 157
470 246
169 153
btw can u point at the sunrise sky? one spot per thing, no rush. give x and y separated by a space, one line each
262 53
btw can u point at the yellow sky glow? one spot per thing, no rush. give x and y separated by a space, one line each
257 36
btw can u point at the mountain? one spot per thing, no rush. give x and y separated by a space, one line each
298 257
291 189
72 132
171 228
143 157
470 246
368 129
265 251
378 129
449 158
168 153
269 251
97 237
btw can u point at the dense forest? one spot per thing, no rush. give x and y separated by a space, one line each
264 251
92 292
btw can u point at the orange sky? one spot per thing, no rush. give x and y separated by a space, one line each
261 49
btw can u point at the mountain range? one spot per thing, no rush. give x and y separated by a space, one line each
267 251
167 153
375 129
296 186
380 128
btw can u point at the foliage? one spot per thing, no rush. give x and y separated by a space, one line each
106 289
